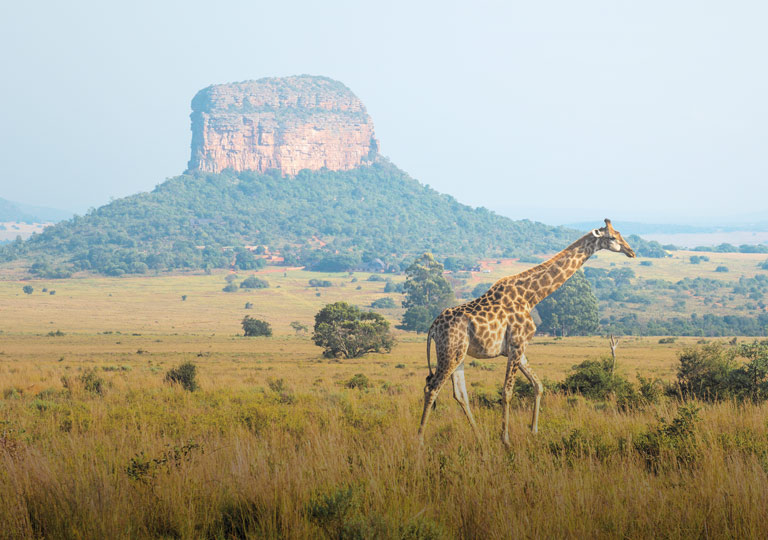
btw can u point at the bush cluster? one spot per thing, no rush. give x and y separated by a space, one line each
710 372
184 374
254 283
256 327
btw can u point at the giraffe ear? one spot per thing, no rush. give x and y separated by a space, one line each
596 233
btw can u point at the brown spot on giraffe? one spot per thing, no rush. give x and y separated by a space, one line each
499 323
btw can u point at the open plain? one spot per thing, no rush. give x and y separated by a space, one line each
279 441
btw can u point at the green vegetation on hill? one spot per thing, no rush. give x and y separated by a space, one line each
329 220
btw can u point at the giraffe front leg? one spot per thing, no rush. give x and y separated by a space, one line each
509 384
537 390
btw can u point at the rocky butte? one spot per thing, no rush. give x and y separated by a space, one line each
286 123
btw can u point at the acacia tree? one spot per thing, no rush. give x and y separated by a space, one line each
427 293
571 309
344 330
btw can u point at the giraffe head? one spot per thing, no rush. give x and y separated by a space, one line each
609 238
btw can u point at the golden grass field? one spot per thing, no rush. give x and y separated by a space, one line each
275 445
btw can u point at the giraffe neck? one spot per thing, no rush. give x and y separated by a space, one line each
540 281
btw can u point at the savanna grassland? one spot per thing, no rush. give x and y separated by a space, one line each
279 441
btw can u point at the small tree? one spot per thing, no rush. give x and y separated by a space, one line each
28 289
344 330
254 283
425 287
571 309
256 327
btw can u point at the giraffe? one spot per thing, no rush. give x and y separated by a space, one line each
499 323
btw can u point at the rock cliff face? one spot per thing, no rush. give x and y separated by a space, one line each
289 123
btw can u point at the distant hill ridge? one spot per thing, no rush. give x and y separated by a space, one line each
199 220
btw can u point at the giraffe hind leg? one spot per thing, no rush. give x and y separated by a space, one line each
460 394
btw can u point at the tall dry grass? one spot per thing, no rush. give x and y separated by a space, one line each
285 453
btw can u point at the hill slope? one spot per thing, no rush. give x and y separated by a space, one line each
199 219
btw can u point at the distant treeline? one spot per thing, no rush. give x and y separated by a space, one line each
730 248
707 325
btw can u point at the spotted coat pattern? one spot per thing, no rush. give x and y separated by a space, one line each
499 323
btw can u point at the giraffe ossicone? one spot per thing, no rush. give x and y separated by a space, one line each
499 323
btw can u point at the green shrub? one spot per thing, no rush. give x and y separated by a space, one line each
384 303
722 269
750 381
256 327
487 399
92 382
592 379
391 286
704 371
185 374
231 288
579 444
89 379
254 283
320 283
651 390
285 394
332 511
671 442
358 380
27 289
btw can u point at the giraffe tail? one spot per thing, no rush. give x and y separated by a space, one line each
429 361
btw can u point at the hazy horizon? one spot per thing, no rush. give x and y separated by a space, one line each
553 112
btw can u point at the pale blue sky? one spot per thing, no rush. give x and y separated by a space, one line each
555 110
